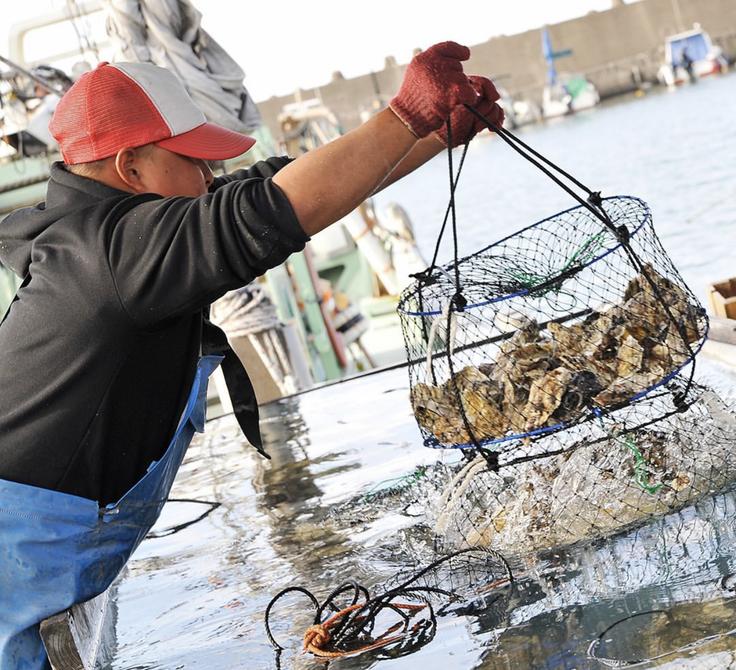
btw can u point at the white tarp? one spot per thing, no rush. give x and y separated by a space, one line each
168 33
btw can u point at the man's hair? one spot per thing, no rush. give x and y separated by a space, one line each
93 169
89 170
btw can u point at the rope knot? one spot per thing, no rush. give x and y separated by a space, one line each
595 199
425 277
623 234
459 301
316 636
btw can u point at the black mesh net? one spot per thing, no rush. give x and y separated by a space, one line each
557 326
603 478
561 361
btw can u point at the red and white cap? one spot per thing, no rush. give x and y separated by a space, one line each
120 105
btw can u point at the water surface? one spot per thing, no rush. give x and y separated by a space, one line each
196 598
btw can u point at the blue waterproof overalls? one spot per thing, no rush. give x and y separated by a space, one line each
58 549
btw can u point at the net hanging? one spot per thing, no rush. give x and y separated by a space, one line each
566 347
561 323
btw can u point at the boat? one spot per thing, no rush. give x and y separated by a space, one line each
688 56
362 261
564 93
518 112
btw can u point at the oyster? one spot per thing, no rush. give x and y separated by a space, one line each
545 376
545 396
437 408
481 400
623 389
433 410
630 356
654 301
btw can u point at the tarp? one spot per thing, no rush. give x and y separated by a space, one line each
168 33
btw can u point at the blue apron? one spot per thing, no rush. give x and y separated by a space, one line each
58 549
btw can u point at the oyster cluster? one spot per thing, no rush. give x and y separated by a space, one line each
546 376
593 489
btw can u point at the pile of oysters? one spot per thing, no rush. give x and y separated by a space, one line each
594 488
551 375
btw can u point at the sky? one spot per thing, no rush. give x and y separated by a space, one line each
286 44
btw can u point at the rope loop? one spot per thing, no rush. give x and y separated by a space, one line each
349 630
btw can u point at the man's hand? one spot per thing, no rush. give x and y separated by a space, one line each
434 85
464 123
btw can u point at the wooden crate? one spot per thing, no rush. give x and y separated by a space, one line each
722 298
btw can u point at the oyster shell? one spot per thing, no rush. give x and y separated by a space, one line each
545 376
630 356
545 396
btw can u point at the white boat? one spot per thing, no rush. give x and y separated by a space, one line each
518 111
690 55
567 95
564 93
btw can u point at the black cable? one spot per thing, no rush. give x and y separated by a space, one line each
428 272
516 144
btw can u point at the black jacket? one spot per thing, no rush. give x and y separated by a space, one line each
97 354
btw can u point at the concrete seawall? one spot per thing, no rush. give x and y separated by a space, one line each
612 48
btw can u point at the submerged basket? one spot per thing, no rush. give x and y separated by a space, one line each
598 485
559 324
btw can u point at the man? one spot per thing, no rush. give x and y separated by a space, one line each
105 352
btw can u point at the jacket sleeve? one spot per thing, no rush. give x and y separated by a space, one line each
172 256
262 169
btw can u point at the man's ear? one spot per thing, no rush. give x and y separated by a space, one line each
128 168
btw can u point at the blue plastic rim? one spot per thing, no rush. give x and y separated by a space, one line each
412 290
434 443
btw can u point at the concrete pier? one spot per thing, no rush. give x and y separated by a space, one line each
615 49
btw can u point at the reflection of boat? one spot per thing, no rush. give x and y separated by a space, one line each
564 94
689 56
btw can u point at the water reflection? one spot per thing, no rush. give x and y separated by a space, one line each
196 599
677 565
288 494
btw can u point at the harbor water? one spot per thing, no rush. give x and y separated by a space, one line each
240 528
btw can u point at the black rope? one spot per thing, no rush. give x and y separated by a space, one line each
425 275
172 530
274 600
359 623
622 663
453 186
594 204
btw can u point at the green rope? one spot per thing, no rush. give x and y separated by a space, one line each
394 485
641 473
582 255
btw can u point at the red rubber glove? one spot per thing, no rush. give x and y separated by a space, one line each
464 123
433 85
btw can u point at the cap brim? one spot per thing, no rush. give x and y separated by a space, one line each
208 142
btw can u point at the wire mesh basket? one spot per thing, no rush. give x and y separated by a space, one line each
563 322
556 326
604 479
